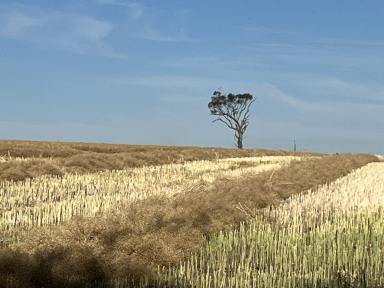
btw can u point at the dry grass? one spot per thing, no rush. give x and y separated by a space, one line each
160 231
270 188
21 170
328 237
53 158
49 200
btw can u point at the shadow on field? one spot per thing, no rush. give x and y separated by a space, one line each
337 280
344 280
58 268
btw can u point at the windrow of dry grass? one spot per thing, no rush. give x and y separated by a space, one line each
47 149
50 200
328 237
57 158
133 241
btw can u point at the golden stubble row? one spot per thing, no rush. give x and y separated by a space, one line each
4 159
50 200
361 190
328 237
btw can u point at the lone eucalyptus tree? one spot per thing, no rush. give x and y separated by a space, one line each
233 111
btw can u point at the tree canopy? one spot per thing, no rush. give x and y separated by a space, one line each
233 110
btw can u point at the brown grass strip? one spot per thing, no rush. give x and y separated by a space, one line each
21 170
55 158
157 231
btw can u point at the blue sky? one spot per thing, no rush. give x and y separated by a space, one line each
143 72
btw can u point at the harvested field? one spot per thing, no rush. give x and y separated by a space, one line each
50 200
331 236
133 241
29 159
261 84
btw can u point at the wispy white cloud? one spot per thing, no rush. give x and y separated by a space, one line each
275 45
327 94
344 91
348 43
269 30
193 62
288 43
167 81
143 22
333 89
274 92
198 85
151 34
136 9
72 32
295 38
346 106
14 23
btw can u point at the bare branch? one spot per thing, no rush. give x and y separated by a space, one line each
229 125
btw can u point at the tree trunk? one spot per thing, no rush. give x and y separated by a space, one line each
239 141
